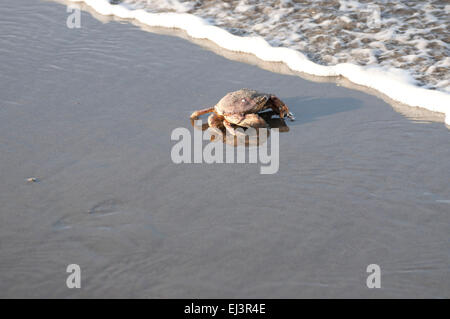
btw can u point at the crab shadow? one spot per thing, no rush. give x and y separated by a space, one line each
255 138
309 109
306 109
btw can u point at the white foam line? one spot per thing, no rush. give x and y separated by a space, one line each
395 83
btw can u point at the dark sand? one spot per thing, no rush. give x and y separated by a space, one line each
89 113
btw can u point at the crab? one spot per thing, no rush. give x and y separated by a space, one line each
240 108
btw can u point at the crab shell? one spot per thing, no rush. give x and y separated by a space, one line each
243 101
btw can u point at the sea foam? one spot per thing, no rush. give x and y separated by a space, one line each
395 83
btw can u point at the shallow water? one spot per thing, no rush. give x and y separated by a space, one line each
411 35
89 112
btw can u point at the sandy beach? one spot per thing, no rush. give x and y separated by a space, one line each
89 113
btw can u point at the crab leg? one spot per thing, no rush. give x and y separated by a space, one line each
280 108
196 114
215 122
247 120
231 129
253 120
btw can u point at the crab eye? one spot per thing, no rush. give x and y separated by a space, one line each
243 100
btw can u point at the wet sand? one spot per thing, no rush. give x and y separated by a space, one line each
89 112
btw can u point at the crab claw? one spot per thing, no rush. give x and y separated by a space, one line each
284 111
281 108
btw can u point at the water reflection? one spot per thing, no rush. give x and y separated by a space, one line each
247 136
